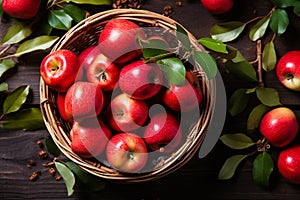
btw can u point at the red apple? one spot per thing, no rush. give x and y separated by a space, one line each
217 6
119 40
87 55
21 9
140 80
60 101
288 70
289 164
84 99
279 126
184 97
59 69
89 137
125 114
163 133
103 72
127 152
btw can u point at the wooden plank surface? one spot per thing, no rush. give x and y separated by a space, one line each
198 178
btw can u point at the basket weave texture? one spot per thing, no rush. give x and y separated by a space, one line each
85 34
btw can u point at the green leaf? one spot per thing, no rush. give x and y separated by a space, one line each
39 43
59 19
1 10
237 141
173 70
227 31
230 165
75 12
263 166
231 55
3 87
284 3
214 45
259 29
16 33
239 58
268 96
182 36
255 116
67 175
26 119
279 21
297 9
238 101
207 63
269 58
93 2
153 47
51 146
5 65
15 99
87 180
251 90
243 70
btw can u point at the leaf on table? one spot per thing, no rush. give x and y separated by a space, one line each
3 87
15 99
183 37
279 21
92 2
237 140
268 96
67 176
284 3
214 45
5 65
297 9
259 29
153 47
207 63
238 101
243 70
39 43
173 69
16 33
51 146
251 90
230 165
75 12
255 116
269 58
87 180
26 119
227 31
59 19
263 166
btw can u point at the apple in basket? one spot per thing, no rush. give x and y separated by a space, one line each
60 69
60 101
119 40
127 152
87 55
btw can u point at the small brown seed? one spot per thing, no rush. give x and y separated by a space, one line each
49 164
43 154
52 171
40 143
34 175
179 3
57 177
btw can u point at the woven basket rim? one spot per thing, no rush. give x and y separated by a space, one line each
57 128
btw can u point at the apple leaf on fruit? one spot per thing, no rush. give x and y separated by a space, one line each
237 141
207 63
92 2
255 116
269 58
263 166
26 119
230 165
238 101
15 99
244 70
39 43
67 176
173 69
259 29
227 31
75 12
16 33
268 96
153 47
59 19
51 146
279 21
3 87
5 65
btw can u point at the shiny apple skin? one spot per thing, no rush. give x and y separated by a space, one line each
21 9
60 101
217 7
87 55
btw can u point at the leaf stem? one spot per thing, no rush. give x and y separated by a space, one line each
8 56
259 63
4 50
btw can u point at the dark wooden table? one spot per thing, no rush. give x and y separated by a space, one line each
198 178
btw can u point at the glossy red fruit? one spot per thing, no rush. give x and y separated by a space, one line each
60 101
288 70
21 9
289 164
217 6
87 56
279 126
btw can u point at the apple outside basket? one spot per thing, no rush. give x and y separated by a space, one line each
85 34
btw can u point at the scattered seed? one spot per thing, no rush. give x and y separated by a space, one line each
49 164
136 4
34 175
40 143
52 171
43 154
57 177
179 3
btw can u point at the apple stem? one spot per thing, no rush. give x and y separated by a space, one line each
263 145
259 63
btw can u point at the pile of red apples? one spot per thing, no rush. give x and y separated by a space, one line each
122 109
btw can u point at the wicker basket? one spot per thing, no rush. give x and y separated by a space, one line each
85 34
